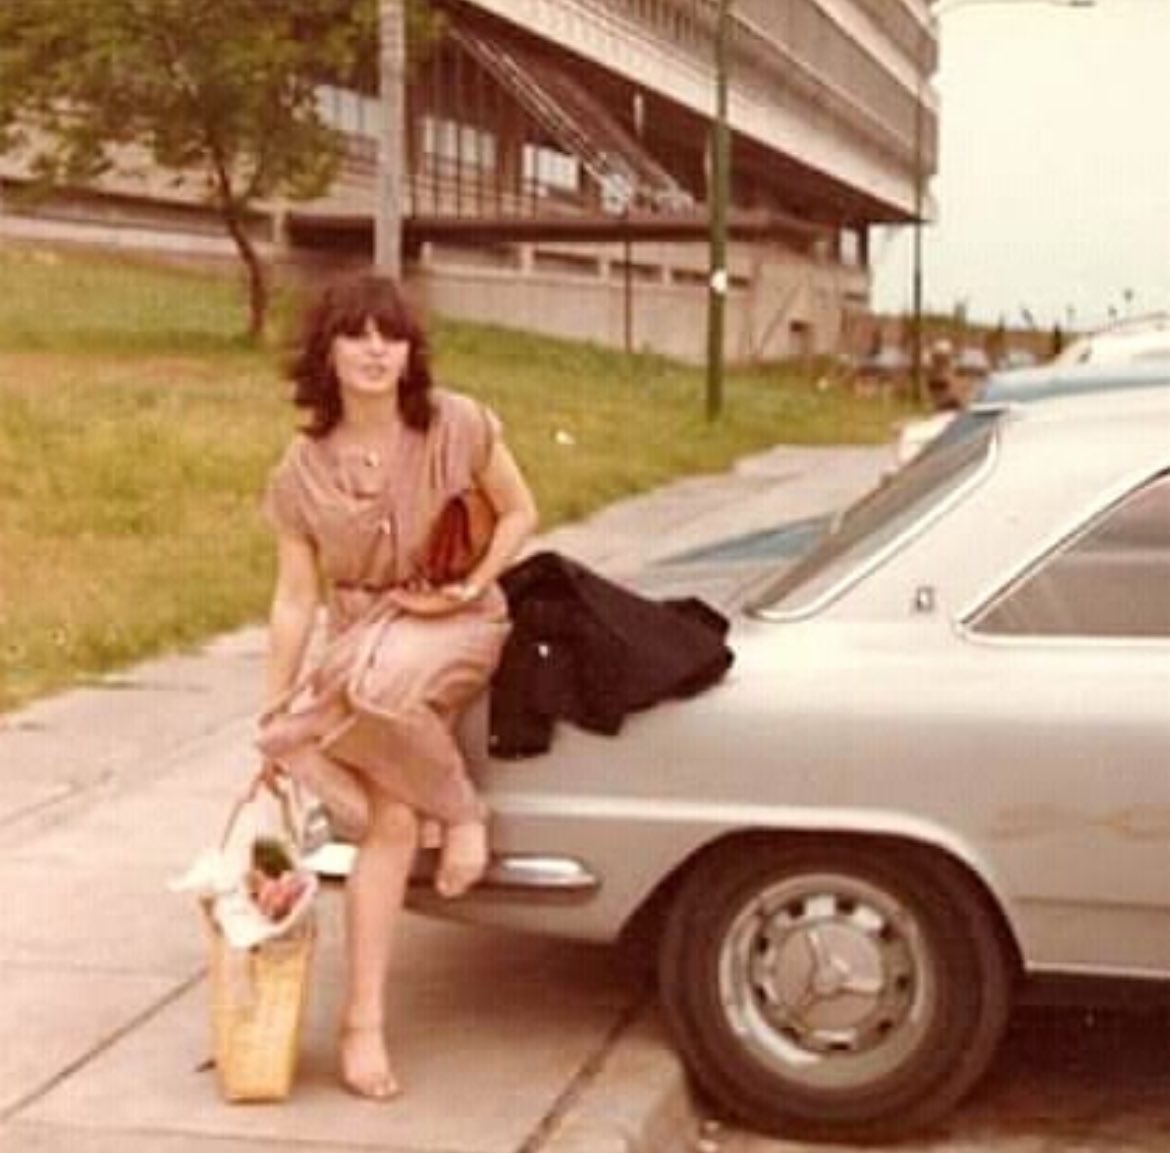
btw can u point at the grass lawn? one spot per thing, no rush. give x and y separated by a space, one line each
136 431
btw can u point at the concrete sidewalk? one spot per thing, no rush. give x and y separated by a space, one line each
505 1044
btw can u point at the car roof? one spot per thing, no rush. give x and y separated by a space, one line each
1139 338
1052 383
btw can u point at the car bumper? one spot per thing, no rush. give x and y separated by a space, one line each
538 876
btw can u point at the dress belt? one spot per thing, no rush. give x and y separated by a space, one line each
349 601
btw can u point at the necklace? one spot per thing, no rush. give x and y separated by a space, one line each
366 448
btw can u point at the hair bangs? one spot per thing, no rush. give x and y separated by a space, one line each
356 303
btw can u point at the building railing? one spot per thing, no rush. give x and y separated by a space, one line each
771 38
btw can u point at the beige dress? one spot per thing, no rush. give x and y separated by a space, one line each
383 701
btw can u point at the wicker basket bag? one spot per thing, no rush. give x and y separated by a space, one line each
258 999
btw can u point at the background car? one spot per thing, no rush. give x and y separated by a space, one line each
1144 338
935 775
1015 358
972 363
886 368
1138 345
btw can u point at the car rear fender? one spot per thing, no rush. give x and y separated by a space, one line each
930 845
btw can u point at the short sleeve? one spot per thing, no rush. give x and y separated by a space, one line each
283 500
491 429
470 430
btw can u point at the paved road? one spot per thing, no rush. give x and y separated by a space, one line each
1067 1081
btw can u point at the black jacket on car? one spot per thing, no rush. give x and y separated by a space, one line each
586 650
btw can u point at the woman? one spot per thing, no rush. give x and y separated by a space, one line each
353 501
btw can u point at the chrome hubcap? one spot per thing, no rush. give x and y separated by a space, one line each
827 980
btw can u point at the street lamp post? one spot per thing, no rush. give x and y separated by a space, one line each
720 194
937 9
391 136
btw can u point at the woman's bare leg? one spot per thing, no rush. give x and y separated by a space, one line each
374 899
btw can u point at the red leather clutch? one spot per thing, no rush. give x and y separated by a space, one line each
459 538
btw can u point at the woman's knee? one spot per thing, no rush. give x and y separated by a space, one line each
392 822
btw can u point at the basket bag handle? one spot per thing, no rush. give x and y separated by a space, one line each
283 795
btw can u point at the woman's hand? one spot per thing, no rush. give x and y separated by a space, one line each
271 777
434 602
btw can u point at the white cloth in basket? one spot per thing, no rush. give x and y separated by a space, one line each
218 877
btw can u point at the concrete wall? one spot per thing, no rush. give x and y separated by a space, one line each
778 305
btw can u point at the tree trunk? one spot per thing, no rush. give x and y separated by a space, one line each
257 280
230 211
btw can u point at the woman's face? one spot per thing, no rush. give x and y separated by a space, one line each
369 363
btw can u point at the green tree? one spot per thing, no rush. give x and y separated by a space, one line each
222 87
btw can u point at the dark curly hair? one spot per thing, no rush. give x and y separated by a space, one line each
343 309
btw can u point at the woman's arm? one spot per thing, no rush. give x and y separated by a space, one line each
504 485
293 614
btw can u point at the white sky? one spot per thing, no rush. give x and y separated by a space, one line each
1053 191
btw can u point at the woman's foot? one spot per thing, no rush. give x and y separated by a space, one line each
364 1064
464 858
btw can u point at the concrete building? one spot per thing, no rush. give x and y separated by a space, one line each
557 170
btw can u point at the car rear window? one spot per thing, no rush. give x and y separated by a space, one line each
1111 579
867 531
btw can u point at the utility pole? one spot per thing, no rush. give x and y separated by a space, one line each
919 207
391 137
719 195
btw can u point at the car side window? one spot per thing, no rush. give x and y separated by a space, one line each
1111 580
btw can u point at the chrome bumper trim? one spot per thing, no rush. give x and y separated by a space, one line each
516 872
547 874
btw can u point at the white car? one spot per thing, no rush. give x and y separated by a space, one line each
1128 342
1144 340
938 771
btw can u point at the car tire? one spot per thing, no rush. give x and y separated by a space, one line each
843 991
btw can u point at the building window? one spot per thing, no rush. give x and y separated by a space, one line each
348 111
448 143
550 171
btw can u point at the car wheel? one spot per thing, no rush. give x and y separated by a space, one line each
838 992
